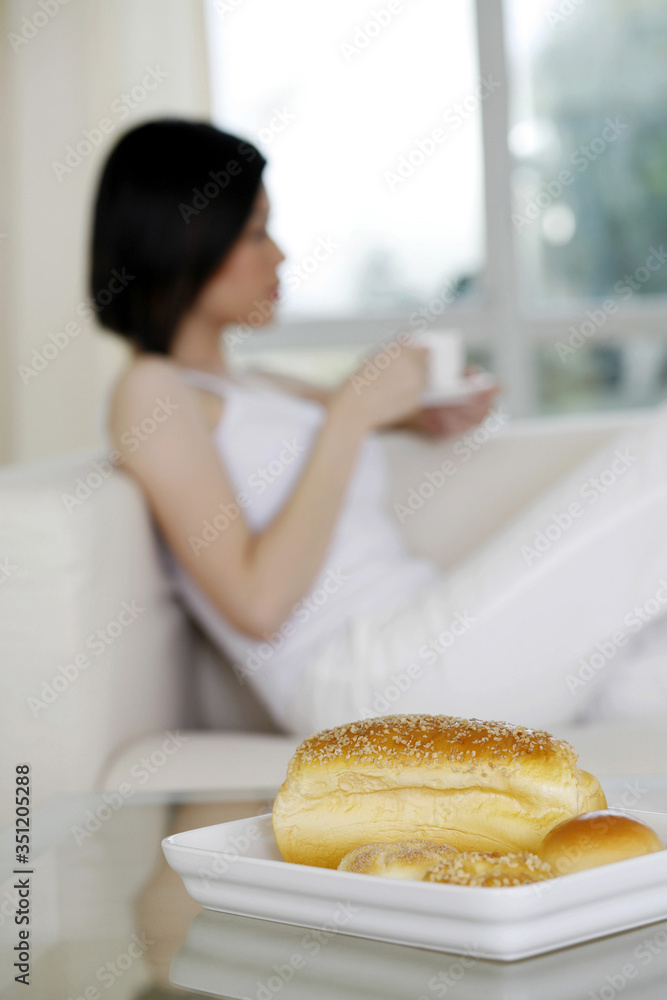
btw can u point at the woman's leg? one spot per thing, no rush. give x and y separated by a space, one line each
504 635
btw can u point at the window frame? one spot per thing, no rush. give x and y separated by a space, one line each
494 319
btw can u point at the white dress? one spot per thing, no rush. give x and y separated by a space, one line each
542 641
263 439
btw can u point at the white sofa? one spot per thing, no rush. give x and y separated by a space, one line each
85 709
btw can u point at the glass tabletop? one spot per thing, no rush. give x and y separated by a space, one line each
109 920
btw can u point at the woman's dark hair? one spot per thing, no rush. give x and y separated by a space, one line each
173 198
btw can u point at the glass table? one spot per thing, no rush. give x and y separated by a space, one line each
109 920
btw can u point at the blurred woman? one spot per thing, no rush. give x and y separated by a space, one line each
270 493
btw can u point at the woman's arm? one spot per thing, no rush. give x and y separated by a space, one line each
433 421
253 578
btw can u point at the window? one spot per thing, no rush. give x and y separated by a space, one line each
588 135
500 168
344 104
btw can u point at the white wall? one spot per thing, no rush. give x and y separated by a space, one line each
69 75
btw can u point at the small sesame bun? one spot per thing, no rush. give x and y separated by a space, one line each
597 838
490 869
409 859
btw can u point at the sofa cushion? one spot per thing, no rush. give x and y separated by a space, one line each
451 519
92 643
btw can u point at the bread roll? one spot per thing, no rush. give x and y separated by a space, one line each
484 786
409 859
490 869
597 838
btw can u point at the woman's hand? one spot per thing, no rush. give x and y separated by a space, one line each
454 418
384 391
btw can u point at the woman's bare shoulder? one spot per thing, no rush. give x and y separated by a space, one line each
144 375
150 388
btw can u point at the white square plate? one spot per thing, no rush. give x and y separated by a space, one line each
237 868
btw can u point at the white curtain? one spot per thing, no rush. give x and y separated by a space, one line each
77 74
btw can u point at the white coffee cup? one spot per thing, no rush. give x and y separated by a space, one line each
446 359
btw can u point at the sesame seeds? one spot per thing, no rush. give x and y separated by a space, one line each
490 869
402 859
416 739
423 860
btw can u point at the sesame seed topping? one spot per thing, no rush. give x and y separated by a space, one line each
489 869
414 739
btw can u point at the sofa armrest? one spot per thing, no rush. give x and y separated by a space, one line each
91 641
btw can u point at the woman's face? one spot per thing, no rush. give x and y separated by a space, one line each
244 289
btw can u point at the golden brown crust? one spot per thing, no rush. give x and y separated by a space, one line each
490 869
597 838
409 859
416 740
474 785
